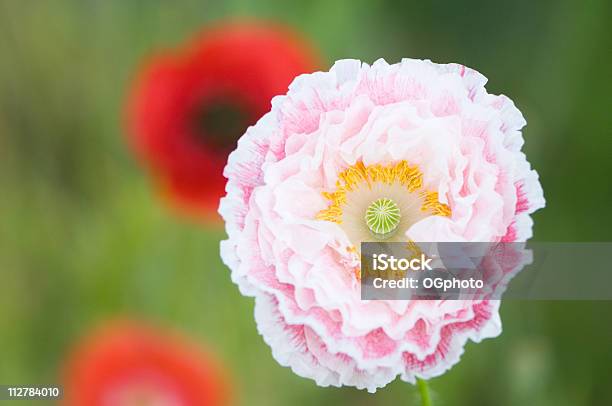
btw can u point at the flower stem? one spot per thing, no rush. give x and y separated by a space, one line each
424 390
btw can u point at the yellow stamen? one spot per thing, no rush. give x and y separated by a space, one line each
432 205
354 176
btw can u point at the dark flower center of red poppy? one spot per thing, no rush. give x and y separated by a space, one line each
219 124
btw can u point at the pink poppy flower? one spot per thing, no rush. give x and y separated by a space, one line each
427 137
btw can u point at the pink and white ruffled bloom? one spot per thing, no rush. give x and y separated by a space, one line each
301 178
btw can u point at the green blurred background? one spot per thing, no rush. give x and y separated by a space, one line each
83 236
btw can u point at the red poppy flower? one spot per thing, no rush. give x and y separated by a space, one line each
128 364
189 107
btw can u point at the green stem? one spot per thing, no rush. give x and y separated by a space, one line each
424 391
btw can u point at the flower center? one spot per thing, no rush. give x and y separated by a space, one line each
382 217
142 394
380 202
220 123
